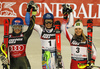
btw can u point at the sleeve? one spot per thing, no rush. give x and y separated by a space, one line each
93 51
71 20
30 29
27 18
38 29
65 26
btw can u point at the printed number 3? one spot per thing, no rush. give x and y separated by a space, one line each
78 50
50 43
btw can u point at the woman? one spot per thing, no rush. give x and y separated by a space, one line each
47 36
17 44
78 43
48 40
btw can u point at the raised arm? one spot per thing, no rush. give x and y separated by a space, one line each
67 11
71 20
30 21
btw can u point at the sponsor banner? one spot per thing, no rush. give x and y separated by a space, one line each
84 9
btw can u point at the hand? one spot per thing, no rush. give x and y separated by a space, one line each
60 64
66 9
59 61
91 64
32 5
4 60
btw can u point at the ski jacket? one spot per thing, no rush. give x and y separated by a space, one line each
17 44
78 49
48 39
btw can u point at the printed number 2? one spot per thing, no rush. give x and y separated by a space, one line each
78 50
50 43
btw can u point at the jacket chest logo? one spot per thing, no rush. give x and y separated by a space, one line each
48 35
16 47
15 40
75 42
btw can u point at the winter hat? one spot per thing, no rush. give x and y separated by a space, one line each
78 25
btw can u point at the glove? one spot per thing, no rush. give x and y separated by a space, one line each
4 59
90 63
66 10
34 10
59 57
29 6
34 7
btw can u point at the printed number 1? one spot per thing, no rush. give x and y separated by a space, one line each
50 43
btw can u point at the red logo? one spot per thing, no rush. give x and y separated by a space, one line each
84 55
72 54
16 48
44 67
17 21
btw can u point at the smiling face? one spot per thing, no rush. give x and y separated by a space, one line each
17 28
78 31
48 23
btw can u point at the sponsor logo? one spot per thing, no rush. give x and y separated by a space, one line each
77 55
44 67
48 35
48 16
15 54
14 40
75 42
43 62
17 21
78 24
71 54
6 9
16 47
83 10
84 55
58 39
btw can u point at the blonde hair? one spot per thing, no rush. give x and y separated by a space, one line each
84 37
